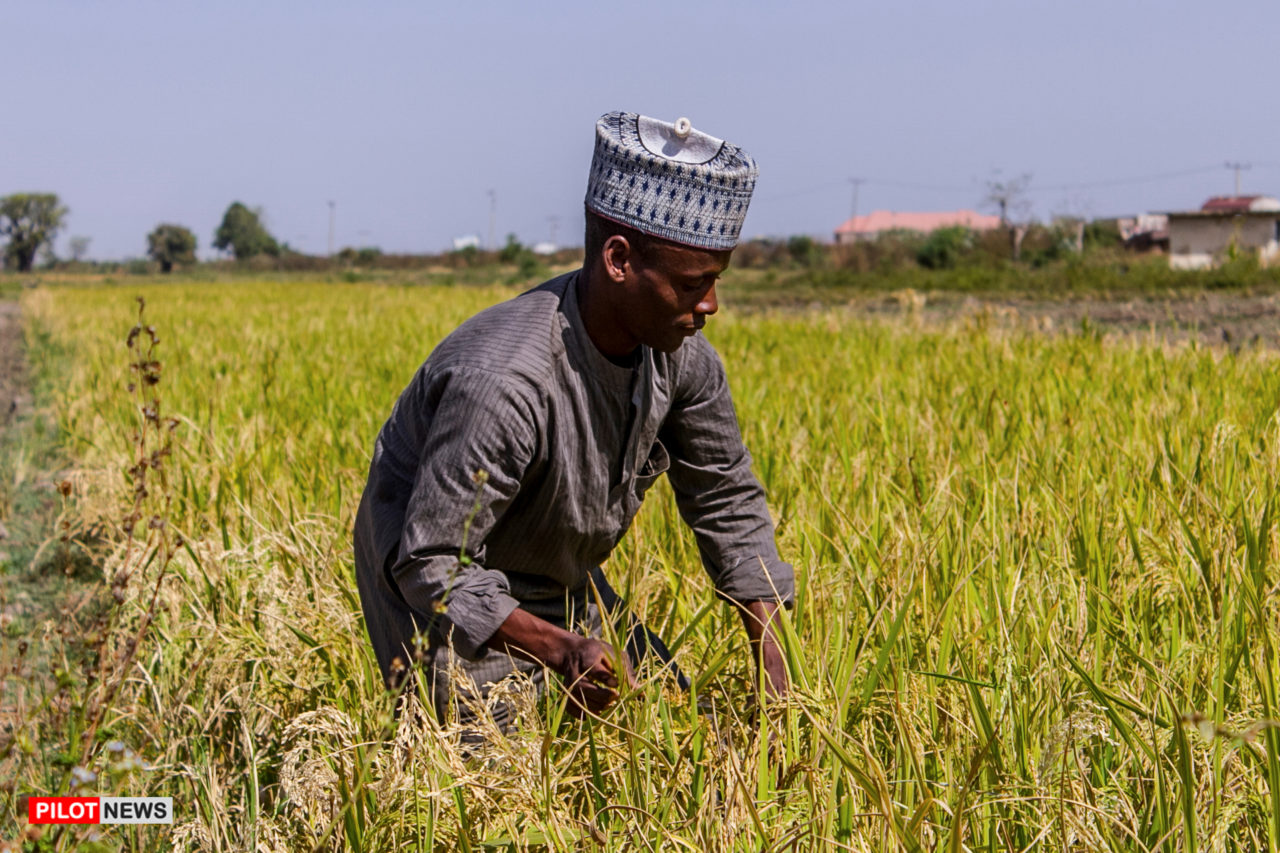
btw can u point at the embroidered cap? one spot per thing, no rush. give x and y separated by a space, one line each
670 181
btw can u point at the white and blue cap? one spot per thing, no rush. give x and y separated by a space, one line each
670 181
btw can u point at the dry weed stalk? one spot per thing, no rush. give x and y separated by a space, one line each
149 544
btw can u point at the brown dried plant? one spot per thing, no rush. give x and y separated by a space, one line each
149 543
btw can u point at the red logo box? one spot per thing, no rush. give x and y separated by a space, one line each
63 810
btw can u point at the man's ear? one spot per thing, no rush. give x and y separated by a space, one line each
616 255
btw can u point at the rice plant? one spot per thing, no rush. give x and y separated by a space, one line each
1036 606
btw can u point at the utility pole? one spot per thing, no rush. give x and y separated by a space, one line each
853 214
493 217
853 210
332 218
554 221
1238 167
857 182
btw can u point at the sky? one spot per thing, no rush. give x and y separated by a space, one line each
420 120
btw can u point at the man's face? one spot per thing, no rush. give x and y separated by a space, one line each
670 292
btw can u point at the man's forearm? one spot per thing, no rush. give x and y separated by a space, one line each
760 620
525 636
592 670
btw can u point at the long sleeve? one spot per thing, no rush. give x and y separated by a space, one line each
718 495
479 421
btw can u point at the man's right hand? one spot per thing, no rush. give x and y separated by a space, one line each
590 668
590 674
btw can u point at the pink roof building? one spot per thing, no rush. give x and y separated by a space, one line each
1240 204
878 221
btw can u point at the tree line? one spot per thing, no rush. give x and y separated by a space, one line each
31 221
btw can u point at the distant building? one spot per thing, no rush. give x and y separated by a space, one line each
877 222
467 241
1199 238
1144 232
545 248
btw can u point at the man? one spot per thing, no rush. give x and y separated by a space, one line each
519 454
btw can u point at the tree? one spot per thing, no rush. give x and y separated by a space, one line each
804 250
171 244
1010 198
243 233
944 247
79 248
511 252
30 221
366 256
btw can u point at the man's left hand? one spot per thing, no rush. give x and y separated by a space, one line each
760 620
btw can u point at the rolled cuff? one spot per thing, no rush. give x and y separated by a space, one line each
755 579
476 600
472 617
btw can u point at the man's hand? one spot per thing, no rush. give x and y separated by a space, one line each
590 668
590 673
760 618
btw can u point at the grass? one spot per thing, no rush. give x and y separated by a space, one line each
1036 604
1106 274
835 277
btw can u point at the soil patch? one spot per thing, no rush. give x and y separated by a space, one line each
1231 319
17 606
13 376
1208 318
32 598
15 402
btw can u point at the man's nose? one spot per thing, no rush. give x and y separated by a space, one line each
707 304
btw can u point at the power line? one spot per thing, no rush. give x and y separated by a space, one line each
857 182
1121 182
1238 166
820 188
829 187
911 185
1032 189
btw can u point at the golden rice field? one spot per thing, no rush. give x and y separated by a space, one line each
1037 605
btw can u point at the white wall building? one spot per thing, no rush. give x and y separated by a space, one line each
1201 238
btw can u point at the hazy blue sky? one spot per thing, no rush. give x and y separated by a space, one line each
407 114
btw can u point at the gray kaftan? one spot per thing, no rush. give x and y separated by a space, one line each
569 441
